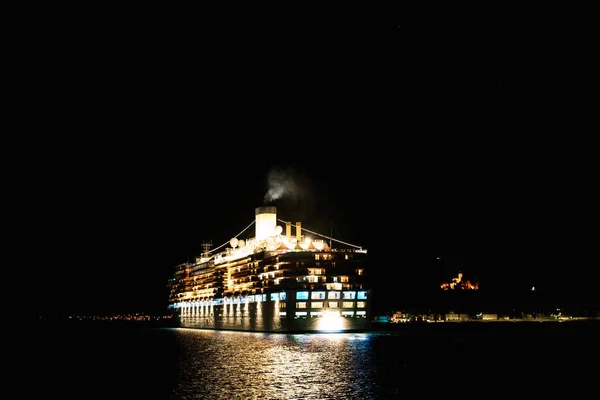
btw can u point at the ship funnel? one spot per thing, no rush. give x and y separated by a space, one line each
288 231
266 221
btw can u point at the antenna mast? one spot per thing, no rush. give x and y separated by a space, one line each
206 245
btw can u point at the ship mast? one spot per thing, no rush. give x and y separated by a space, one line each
206 245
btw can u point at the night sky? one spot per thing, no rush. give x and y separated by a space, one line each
417 138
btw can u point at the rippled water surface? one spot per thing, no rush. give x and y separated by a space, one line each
171 363
266 366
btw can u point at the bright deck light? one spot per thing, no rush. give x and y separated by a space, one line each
331 321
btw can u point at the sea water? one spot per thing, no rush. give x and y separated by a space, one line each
128 360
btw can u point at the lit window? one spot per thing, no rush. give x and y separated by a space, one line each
333 295
348 304
301 304
361 295
317 295
349 295
333 304
301 295
361 304
317 304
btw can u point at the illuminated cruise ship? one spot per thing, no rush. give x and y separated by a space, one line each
274 282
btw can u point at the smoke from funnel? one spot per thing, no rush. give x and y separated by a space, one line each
298 198
283 184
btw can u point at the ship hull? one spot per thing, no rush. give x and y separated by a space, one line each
269 320
268 317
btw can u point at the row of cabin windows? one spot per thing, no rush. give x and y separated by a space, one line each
332 295
304 314
329 304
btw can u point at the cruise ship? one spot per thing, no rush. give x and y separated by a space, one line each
274 281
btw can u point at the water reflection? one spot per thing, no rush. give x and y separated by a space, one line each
225 365
137 362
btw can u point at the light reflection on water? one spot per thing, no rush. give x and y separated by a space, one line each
225 365
84 361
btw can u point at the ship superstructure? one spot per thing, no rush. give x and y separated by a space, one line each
275 282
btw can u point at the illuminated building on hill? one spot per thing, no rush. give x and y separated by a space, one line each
458 282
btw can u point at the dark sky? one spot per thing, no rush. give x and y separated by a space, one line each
415 137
